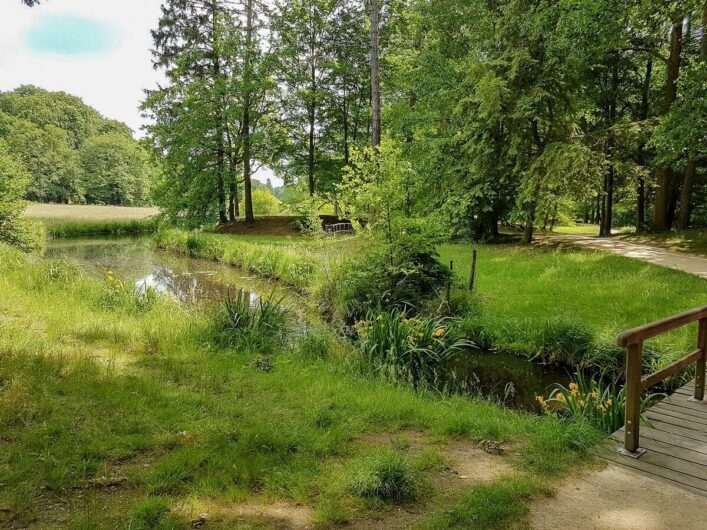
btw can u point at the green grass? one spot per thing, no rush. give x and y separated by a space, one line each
529 300
60 228
693 241
145 395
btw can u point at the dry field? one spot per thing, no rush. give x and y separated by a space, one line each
79 212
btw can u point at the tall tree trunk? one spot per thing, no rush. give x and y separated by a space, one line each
247 139
312 111
233 190
220 149
664 175
689 174
310 154
642 158
608 219
375 74
688 180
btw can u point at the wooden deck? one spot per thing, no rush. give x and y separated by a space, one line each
675 440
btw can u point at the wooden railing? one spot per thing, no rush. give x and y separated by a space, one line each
339 228
636 383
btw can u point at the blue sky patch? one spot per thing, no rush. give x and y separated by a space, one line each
71 36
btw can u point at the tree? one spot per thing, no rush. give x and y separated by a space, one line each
115 170
374 7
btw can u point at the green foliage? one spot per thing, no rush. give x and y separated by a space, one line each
72 153
595 398
148 514
243 320
386 476
14 229
402 349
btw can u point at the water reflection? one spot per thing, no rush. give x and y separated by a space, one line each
136 260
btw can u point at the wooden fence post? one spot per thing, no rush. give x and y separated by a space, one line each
472 274
701 362
633 398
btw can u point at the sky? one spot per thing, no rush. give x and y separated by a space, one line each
98 50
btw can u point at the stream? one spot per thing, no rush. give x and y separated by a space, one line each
506 378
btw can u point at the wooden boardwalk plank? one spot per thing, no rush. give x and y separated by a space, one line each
675 441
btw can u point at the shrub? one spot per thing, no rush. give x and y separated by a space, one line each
407 349
386 476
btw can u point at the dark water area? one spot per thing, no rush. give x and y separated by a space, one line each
136 260
505 378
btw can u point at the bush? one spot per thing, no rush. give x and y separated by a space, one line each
403 349
386 476
15 230
121 296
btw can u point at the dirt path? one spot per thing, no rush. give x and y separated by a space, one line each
689 263
619 499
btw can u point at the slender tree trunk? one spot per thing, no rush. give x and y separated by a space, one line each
220 149
664 176
310 157
247 75
642 158
312 111
375 74
233 190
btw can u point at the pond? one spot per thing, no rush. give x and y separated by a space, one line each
506 378
136 259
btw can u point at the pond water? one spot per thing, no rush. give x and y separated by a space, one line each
506 378
136 259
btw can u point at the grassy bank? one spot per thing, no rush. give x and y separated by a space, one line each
563 306
119 410
568 305
69 220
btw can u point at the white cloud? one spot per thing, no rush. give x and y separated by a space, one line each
112 83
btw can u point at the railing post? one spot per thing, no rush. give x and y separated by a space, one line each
700 364
634 367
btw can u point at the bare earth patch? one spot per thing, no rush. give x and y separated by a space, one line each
619 499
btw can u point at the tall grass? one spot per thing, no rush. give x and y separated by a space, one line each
90 392
293 265
77 228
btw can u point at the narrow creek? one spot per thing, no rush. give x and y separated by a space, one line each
504 377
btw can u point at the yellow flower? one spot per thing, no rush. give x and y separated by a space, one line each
609 402
438 332
581 402
574 386
411 340
540 399
601 408
574 392
561 397
595 394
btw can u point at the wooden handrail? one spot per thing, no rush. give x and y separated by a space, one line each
636 383
648 331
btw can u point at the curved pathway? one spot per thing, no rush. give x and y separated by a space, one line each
690 263
619 498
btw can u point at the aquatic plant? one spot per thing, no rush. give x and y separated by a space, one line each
596 398
407 349
245 321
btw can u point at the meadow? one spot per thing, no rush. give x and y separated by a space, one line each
67 220
556 305
122 409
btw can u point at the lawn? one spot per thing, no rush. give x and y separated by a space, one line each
693 241
528 296
562 305
118 410
65 220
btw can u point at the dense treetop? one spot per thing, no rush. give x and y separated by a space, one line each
71 153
